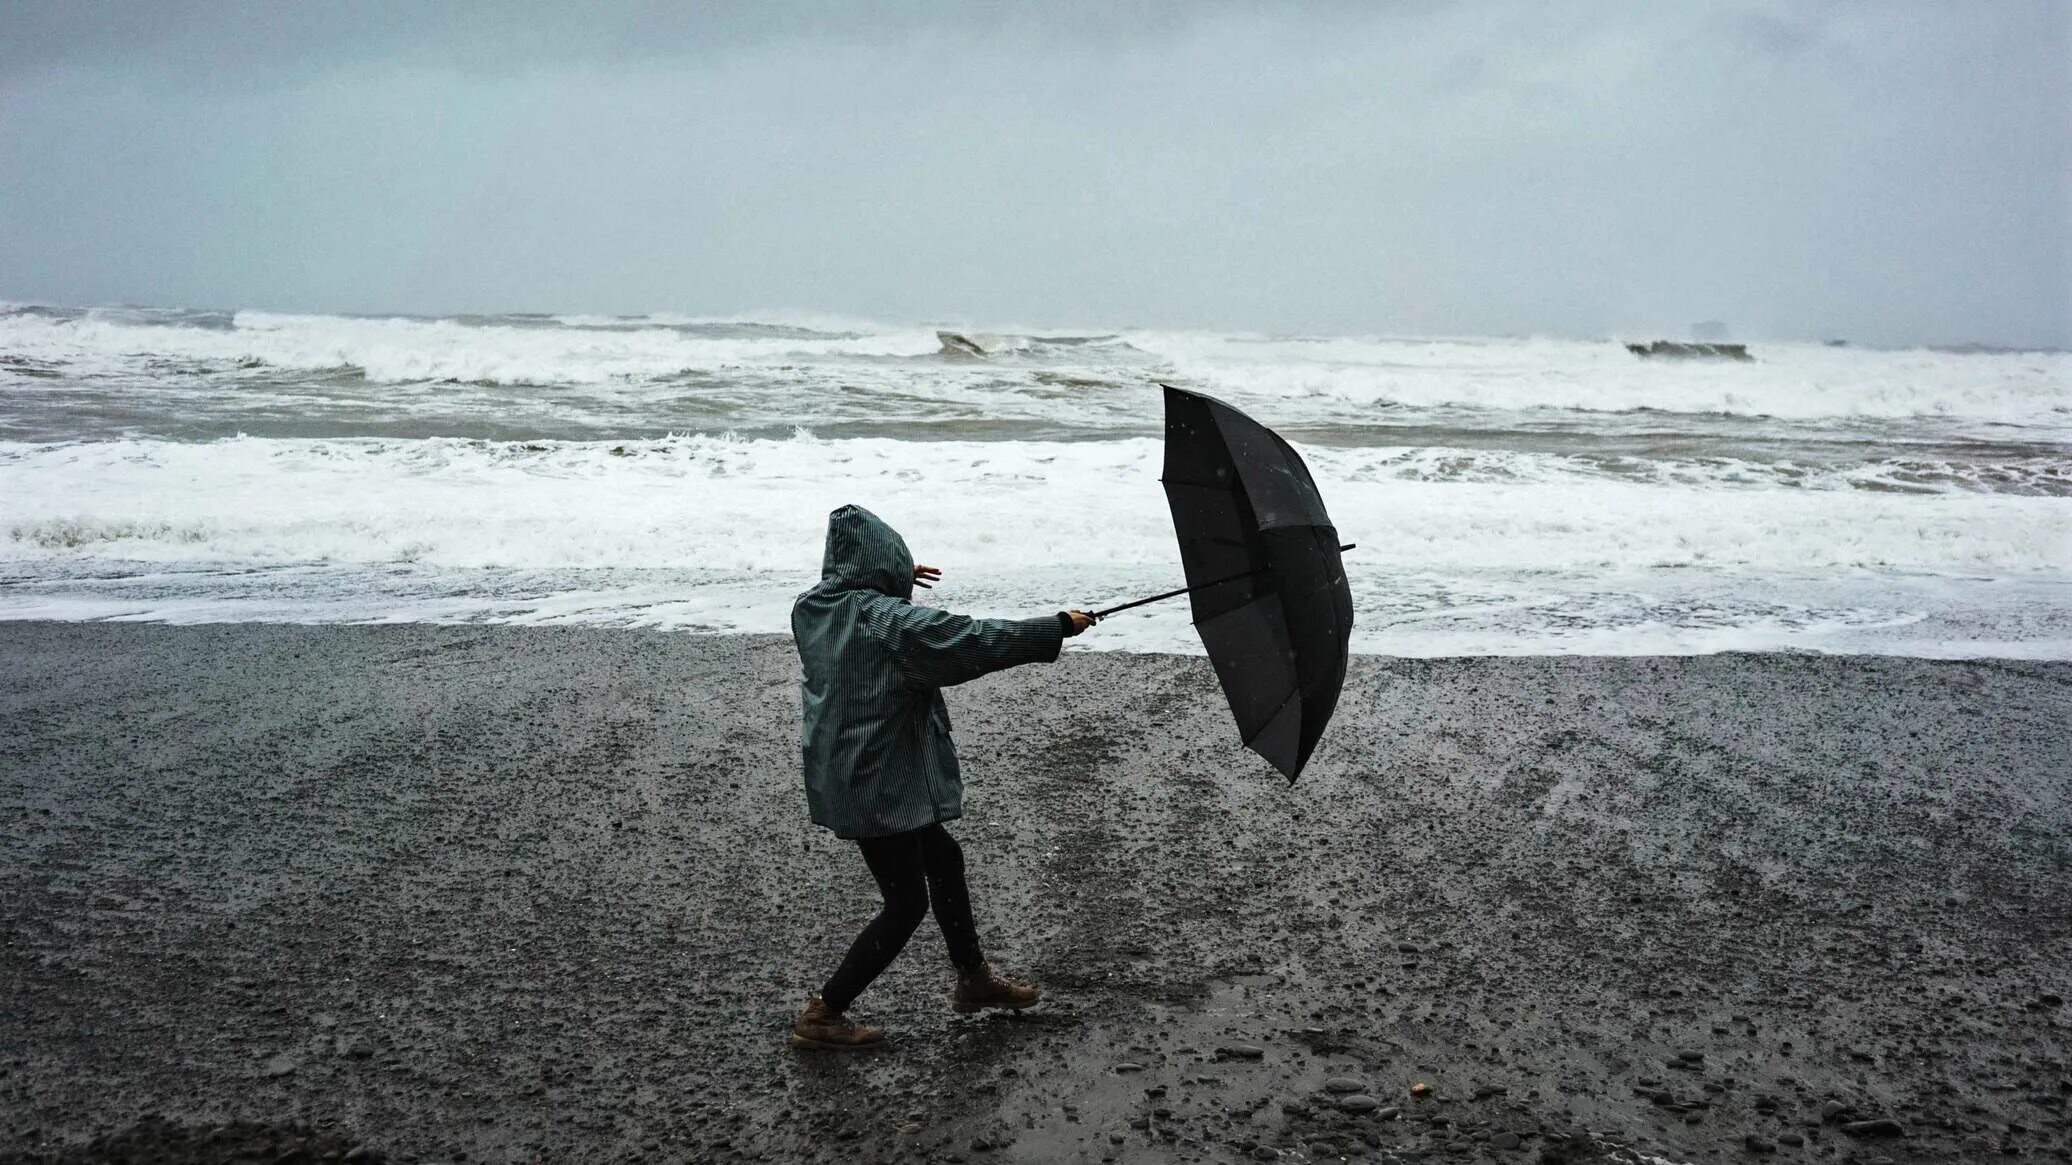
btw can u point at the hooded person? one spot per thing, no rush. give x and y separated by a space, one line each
880 767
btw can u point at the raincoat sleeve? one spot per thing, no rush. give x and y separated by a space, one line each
935 649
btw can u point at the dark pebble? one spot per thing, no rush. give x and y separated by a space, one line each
1343 1084
1359 1102
1882 1127
1756 1144
1505 1140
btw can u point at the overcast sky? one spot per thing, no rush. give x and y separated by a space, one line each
1888 172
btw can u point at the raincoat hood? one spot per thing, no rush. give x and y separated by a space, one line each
863 553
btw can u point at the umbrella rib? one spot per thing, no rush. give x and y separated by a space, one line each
1278 709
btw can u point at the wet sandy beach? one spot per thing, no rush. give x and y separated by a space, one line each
507 894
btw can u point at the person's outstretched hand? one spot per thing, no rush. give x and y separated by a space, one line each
1077 621
925 576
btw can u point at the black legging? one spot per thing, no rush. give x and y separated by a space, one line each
913 870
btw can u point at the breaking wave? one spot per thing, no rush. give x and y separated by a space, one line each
756 505
392 351
1787 381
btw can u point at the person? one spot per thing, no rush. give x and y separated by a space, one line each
879 764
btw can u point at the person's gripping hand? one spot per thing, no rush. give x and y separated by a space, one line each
925 577
1077 621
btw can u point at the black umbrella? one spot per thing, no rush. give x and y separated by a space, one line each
1263 573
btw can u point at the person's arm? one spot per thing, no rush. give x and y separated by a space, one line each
935 649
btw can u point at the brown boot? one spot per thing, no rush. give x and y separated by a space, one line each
822 1027
980 987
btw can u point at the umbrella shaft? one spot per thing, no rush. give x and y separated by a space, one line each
1172 594
1196 587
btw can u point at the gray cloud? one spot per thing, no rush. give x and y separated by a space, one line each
1892 173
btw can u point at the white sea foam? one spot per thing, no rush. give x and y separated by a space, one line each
718 533
755 505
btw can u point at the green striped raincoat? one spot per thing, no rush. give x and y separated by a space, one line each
877 736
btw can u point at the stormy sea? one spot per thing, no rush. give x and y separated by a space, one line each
1507 496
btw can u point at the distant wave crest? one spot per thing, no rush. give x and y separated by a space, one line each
801 365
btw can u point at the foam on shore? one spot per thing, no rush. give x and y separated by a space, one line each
1458 551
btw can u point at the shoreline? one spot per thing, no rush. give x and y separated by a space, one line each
1605 643
549 893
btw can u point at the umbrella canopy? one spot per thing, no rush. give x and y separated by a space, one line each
1263 572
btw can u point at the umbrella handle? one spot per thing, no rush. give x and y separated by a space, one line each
1196 587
